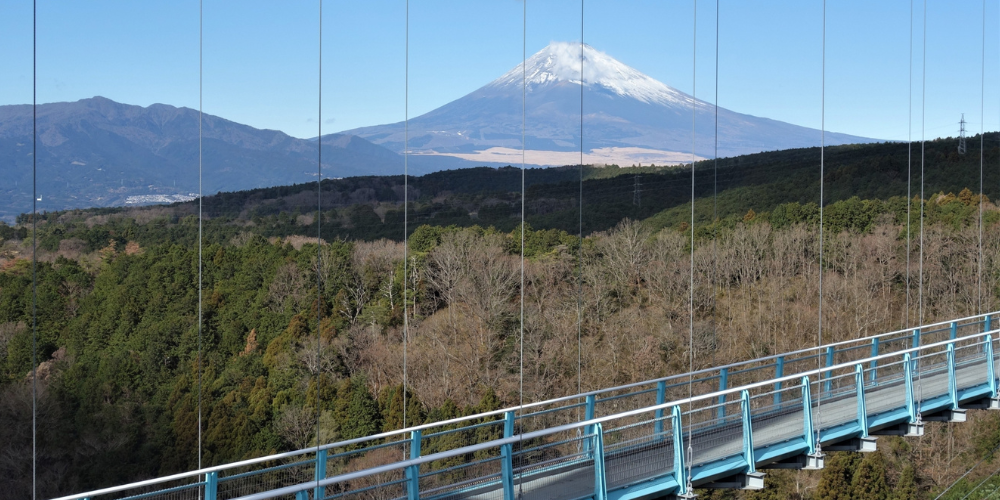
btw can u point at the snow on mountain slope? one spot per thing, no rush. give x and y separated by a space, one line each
561 62
623 110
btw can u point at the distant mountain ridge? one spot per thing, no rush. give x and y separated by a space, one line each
98 152
625 113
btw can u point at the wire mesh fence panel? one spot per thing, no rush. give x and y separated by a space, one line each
240 481
562 465
934 335
712 435
622 401
839 383
382 486
931 377
837 406
888 391
996 356
341 461
886 371
848 354
895 344
776 422
971 367
546 416
751 374
804 363
476 474
191 488
639 451
468 434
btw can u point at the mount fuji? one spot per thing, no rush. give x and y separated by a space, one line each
628 118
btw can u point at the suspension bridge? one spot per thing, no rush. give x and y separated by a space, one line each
642 440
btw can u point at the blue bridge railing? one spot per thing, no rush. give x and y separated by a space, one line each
639 439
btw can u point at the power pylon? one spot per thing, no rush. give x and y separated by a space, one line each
961 135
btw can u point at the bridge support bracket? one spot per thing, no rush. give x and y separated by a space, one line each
862 444
982 404
955 416
747 481
814 461
905 429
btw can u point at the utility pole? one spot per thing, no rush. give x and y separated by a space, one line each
636 190
961 136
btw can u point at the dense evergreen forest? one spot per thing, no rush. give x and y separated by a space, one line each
118 300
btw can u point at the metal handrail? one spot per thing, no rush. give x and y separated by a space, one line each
315 449
289 490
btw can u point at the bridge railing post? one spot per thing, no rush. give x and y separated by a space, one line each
916 344
954 331
911 407
413 471
723 385
661 397
321 470
600 474
779 371
680 469
990 365
827 374
589 415
859 381
507 457
987 323
952 381
748 453
212 486
874 364
807 420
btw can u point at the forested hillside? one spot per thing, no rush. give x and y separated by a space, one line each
118 294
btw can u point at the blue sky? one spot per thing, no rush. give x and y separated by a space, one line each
260 57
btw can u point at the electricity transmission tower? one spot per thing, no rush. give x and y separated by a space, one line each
961 135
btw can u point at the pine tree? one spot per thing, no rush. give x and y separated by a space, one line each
778 485
906 486
357 412
869 479
835 481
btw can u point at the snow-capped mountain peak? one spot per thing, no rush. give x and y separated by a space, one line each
561 62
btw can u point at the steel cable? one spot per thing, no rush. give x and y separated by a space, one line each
909 164
34 248
406 205
822 165
920 273
524 95
694 91
319 241
201 21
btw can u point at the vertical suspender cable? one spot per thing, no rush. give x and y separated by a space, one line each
319 228
909 165
920 263
524 97
201 22
694 92
406 201
524 93
34 248
715 185
579 251
982 145
822 174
